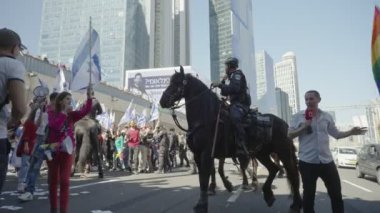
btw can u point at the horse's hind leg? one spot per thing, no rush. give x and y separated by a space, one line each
84 154
225 180
290 164
272 169
255 181
276 160
244 161
212 186
98 155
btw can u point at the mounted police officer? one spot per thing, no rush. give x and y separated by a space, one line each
240 100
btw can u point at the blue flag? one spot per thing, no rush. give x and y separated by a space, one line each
154 113
80 69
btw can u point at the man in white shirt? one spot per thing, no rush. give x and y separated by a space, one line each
12 90
315 158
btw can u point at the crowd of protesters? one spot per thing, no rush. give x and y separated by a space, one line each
145 149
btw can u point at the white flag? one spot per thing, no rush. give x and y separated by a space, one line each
60 81
80 69
154 113
141 119
126 117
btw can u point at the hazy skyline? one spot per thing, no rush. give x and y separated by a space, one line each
331 40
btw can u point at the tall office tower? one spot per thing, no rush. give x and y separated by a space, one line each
231 34
285 75
266 96
283 108
122 26
170 33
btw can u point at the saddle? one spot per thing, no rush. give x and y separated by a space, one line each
261 123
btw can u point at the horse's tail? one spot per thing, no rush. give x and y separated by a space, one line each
292 170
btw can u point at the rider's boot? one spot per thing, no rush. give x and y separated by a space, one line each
240 141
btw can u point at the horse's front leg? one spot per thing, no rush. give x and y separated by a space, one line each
203 161
225 180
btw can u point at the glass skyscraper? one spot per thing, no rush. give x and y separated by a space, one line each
122 28
231 34
286 79
266 96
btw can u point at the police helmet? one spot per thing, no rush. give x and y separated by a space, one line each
232 62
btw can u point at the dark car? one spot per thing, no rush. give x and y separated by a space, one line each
369 161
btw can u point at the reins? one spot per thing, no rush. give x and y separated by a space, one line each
177 106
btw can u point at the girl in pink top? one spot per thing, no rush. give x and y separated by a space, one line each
61 124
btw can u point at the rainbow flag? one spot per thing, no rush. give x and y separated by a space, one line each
376 48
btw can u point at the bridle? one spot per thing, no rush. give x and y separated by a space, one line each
176 105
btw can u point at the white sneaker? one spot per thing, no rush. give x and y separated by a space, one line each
27 196
21 188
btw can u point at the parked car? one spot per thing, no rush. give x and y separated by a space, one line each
369 161
345 156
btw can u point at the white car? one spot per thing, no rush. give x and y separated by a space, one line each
345 156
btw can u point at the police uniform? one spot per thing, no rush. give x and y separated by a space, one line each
240 103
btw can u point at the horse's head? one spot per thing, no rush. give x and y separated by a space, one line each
175 90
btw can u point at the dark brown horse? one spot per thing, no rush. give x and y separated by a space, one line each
202 107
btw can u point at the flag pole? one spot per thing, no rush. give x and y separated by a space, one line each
90 29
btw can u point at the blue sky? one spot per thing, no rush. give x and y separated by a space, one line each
331 39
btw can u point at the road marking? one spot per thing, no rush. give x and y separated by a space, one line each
360 187
96 183
235 196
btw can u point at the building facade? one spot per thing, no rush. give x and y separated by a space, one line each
134 34
286 78
283 108
231 34
170 33
265 91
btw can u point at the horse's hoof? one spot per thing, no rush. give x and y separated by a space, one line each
211 192
295 208
245 187
200 208
229 186
100 175
255 185
270 201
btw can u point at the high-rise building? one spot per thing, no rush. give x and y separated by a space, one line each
170 33
285 75
231 34
283 108
266 96
134 34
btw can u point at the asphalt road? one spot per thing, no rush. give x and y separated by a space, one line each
178 192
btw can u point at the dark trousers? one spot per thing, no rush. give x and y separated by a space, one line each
134 157
183 156
330 176
4 152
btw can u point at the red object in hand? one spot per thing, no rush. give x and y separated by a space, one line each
308 114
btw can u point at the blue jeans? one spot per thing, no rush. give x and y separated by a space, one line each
35 165
126 157
4 152
23 169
